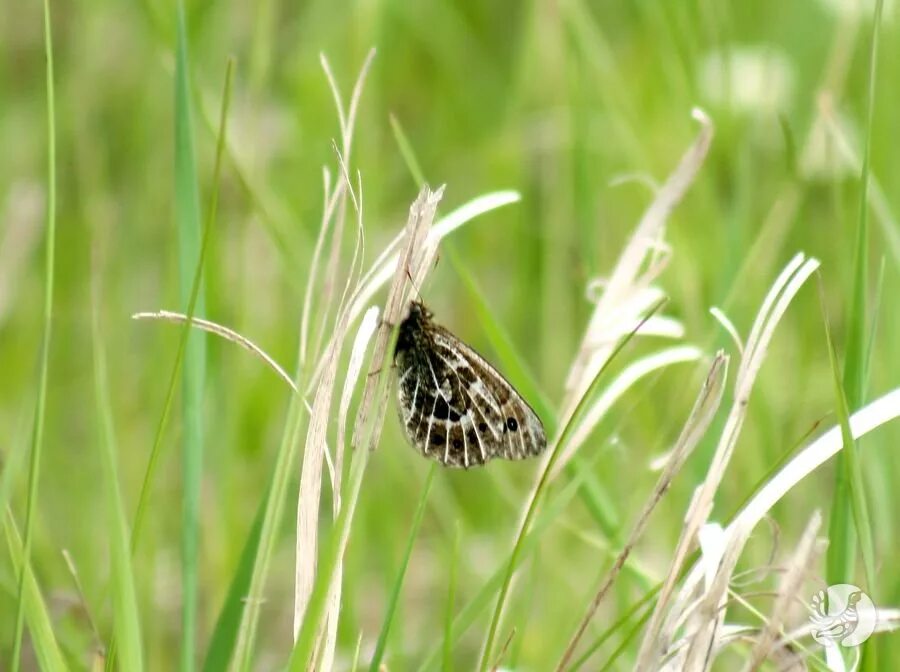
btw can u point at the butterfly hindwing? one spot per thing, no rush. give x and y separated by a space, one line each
454 406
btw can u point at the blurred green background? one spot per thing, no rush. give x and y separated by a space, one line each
576 105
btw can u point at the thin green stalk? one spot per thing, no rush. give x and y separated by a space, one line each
620 623
187 215
406 150
842 547
274 513
192 303
126 619
451 601
554 508
40 627
398 583
40 412
542 483
853 476
225 635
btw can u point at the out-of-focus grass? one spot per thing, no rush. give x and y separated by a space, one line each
557 101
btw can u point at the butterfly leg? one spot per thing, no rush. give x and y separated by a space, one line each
375 373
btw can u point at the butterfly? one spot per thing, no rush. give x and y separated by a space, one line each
454 406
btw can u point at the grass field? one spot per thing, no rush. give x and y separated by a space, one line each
612 172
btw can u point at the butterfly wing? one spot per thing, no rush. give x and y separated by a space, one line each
487 417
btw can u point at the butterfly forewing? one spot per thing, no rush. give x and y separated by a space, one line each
454 406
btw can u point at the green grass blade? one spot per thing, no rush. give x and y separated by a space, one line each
224 637
187 215
274 513
616 627
554 508
514 367
32 605
542 483
153 461
451 601
853 476
409 155
126 620
40 412
398 583
842 536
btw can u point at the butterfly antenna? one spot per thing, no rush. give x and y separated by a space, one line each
413 283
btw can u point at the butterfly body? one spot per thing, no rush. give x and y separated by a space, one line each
454 406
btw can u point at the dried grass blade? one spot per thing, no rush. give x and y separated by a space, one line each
416 261
386 266
360 345
622 383
698 422
623 279
224 332
804 556
369 424
773 307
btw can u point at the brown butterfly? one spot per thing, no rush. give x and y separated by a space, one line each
454 406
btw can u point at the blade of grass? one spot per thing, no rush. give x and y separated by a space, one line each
126 620
49 263
374 666
187 216
564 437
413 264
853 475
852 463
194 289
842 546
224 637
192 302
451 601
619 624
556 505
274 513
33 607
514 366
407 152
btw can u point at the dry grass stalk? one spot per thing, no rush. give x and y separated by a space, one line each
626 279
385 266
773 307
416 258
628 295
698 422
620 385
223 332
357 356
414 262
316 451
807 552
623 301
671 656
347 123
